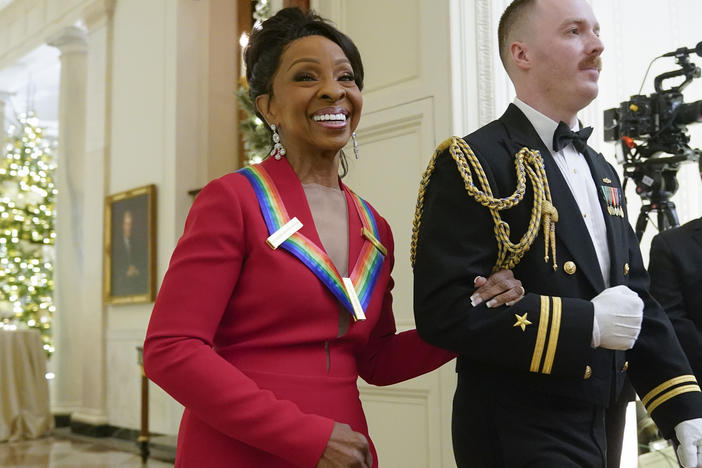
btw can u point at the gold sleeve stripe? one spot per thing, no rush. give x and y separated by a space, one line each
673 393
553 336
540 336
666 385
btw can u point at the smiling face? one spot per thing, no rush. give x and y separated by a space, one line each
315 102
558 60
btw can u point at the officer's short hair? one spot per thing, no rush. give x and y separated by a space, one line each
512 16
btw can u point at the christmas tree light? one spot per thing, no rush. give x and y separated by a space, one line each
27 234
255 135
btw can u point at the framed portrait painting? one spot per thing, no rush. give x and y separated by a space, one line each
130 246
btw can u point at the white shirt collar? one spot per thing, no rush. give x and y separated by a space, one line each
543 125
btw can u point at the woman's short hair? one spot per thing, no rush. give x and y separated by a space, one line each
267 43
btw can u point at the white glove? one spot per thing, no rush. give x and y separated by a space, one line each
689 434
617 321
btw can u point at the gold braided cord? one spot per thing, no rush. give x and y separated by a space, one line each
528 163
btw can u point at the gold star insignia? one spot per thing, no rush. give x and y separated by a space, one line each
522 321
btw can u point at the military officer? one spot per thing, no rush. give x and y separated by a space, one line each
528 193
676 276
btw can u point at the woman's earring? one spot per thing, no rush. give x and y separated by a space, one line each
355 144
278 150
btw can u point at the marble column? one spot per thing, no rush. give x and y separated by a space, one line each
98 19
68 329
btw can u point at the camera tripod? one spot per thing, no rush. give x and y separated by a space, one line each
667 216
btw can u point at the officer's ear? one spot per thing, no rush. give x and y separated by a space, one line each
519 54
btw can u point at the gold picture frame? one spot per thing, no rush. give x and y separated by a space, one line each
129 266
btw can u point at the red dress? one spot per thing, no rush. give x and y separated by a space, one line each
245 337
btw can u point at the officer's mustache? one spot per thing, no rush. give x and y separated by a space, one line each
592 62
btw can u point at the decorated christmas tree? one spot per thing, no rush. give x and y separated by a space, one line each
27 197
255 135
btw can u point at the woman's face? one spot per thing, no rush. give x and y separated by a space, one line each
315 102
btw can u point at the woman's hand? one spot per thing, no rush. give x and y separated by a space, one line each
500 288
346 449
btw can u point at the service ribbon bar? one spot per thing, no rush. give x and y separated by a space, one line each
614 200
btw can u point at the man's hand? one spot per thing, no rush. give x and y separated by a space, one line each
500 288
689 434
618 316
346 449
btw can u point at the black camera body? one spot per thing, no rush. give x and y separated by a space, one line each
651 133
660 119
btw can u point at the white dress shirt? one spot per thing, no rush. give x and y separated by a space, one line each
577 174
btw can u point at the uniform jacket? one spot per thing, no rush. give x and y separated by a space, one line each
676 282
245 337
553 353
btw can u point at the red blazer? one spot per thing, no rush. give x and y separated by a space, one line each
245 337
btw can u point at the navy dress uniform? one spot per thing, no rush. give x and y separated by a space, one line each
532 391
676 282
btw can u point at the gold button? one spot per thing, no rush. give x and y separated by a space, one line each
625 366
588 372
626 269
569 267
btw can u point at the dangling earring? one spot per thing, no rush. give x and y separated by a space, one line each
355 144
278 150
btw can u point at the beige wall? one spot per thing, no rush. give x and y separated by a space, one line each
173 126
143 89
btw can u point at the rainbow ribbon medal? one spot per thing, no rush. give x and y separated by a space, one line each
354 292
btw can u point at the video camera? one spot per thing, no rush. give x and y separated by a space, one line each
646 127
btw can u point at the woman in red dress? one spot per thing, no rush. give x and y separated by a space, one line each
278 294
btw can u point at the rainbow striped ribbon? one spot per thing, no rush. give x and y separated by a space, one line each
368 265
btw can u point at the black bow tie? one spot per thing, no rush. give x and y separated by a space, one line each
564 135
